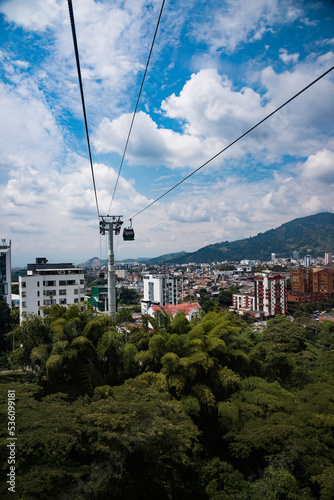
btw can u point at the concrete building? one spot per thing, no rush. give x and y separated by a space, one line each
5 272
270 295
295 255
47 284
269 298
323 281
160 290
302 280
307 260
243 302
328 258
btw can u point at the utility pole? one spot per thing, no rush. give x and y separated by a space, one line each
111 223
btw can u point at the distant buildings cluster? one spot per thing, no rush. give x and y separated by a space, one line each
261 295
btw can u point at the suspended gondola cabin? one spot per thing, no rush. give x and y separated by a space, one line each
128 234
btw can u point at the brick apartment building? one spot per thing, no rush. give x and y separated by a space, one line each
311 285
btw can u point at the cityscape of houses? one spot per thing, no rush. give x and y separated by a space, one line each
261 289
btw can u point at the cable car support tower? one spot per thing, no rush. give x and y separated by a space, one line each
111 224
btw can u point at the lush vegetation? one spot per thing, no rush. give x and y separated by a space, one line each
313 234
204 410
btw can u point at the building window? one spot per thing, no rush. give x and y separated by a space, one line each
50 283
38 293
151 292
62 292
38 303
37 283
62 301
76 301
76 291
62 283
24 294
24 304
49 302
23 284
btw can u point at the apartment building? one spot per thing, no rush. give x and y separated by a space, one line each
46 284
5 272
243 302
269 298
270 295
160 290
323 281
302 280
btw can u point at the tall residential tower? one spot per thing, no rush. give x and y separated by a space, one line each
5 272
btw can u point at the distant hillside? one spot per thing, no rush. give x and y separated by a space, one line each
309 235
93 262
167 258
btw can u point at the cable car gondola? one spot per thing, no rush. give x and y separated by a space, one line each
128 234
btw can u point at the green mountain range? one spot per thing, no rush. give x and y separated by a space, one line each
312 235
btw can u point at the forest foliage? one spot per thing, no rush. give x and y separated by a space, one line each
204 410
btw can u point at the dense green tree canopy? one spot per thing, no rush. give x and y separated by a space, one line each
207 409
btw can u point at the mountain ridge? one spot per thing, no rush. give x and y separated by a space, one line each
313 234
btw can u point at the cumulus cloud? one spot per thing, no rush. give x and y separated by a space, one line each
288 58
151 145
35 15
213 113
320 167
29 133
241 21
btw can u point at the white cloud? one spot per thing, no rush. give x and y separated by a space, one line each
288 58
212 114
241 21
208 104
35 15
29 134
320 167
150 145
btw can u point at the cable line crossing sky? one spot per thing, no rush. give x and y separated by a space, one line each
217 69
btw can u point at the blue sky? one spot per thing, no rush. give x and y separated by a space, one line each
217 68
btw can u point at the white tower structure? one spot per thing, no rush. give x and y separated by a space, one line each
270 295
160 290
328 258
5 272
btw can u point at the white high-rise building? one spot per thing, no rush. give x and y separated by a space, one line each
270 295
47 284
307 261
159 290
5 272
328 258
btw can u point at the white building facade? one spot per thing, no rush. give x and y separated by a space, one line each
269 298
5 272
160 290
270 294
47 284
241 301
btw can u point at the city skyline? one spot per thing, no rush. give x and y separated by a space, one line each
217 68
